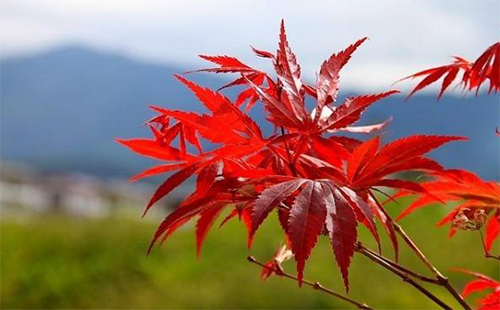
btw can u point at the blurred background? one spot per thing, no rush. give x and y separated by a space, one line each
75 75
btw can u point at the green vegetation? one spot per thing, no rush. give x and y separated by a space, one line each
58 262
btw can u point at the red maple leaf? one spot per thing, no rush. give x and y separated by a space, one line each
482 283
318 183
485 68
479 202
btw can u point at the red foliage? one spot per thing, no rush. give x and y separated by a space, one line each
481 283
479 202
320 184
485 68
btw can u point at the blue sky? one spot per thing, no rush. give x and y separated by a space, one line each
405 35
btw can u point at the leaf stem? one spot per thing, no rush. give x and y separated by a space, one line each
314 285
290 162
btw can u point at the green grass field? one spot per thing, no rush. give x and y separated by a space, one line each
58 262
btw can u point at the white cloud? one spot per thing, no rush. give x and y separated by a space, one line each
405 35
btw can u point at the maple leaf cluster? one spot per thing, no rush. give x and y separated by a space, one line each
318 181
485 68
478 202
481 282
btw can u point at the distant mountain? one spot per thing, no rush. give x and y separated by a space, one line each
62 110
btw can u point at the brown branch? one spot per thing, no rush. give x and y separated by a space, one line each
314 285
403 275
488 255
415 249
442 280
400 267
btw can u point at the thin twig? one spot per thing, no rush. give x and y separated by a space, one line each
442 280
315 285
486 253
415 249
401 268
403 275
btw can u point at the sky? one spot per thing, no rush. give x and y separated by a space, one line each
405 35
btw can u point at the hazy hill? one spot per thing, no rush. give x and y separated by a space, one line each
61 110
